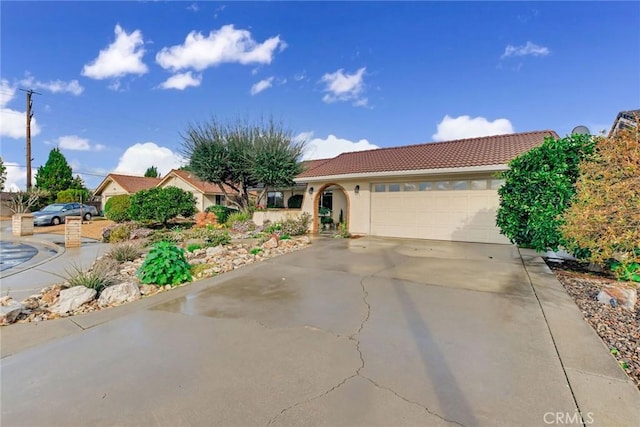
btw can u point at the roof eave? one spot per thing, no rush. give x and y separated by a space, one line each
407 173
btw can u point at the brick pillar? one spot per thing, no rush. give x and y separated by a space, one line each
72 229
22 224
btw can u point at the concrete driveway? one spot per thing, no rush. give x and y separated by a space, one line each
348 332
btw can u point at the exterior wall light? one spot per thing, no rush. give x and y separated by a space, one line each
310 190
357 189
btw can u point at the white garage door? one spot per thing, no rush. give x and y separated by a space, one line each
458 215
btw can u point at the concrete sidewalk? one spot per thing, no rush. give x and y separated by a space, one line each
48 266
348 332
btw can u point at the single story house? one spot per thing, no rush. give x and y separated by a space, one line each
116 184
441 190
205 193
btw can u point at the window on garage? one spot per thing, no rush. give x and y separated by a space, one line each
459 185
379 188
409 186
425 186
478 184
496 183
394 188
442 185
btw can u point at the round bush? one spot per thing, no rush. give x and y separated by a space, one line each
117 208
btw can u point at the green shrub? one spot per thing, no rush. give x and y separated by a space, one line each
295 201
171 236
124 252
290 226
626 271
273 228
193 247
117 208
162 204
212 237
120 233
256 251
285 237
96 278
237 217
538 188
165 265
221 212
72 195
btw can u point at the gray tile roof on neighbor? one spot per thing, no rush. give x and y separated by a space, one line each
482 151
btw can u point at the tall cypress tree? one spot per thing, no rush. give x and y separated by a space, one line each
55 175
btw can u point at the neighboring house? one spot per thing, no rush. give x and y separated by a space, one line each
116 184
206 193
625 119
442 190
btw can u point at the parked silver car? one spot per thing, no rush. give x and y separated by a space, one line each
56 213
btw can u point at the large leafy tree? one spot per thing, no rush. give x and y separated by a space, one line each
539 185
152 172
603 221
55 175
242 154
3 174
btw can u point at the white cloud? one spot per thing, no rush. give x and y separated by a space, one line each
261 85
525 50
226 45
182 81
461 127
318 148
54 86
122 57
193 7
12 122
17 177
7 92
138 157
76 143
341 86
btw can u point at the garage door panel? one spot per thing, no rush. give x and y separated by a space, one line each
440 215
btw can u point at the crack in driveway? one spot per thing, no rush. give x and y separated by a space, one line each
353 337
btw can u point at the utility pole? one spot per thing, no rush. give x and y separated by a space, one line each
30 93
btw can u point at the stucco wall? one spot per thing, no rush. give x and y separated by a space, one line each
177 182
110 190
276 215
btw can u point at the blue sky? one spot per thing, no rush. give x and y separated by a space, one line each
121 80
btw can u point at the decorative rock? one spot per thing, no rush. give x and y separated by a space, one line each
272 243
197 261
216 250
51 295
148 289
623 296
72 298
304 240
31 303
119 294
9 310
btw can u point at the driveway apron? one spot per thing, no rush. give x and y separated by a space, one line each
348 332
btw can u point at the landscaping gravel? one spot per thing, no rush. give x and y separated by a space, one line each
619 328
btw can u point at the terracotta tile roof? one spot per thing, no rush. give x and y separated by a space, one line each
133 184
205 187
311 164
482 151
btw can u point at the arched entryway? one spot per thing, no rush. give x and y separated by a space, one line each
330 201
